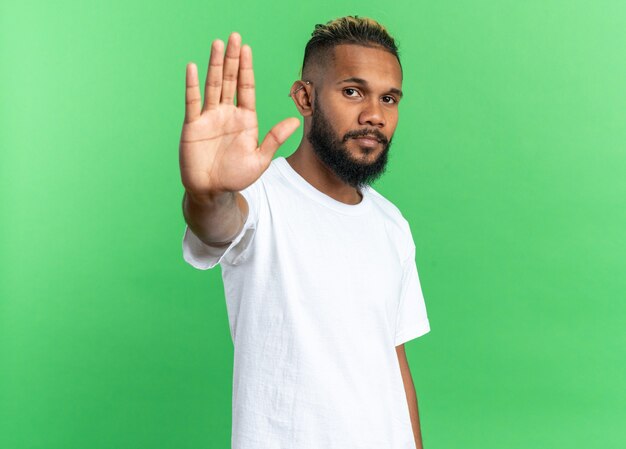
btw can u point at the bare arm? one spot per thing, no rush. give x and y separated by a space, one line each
411 397
219 151
216 220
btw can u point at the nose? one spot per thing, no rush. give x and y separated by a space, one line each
372 114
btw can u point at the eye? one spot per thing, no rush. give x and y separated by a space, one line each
389 99
349 91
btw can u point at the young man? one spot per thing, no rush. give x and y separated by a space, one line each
319 269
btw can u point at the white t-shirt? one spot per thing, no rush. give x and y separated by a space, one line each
318 295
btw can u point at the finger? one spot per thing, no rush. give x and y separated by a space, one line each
245 83
213 83
192 94
278 135
231 67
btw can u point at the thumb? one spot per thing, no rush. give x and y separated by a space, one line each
277 136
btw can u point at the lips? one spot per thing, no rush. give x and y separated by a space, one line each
368 138
367 142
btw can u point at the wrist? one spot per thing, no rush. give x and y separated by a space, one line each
210 197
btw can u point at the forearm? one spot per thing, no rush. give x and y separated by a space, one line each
215 219
411 398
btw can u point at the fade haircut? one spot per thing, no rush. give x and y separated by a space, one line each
346 30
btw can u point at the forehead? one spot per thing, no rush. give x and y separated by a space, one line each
372 64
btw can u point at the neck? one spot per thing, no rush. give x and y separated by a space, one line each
306 163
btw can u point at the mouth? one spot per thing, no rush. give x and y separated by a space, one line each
369 141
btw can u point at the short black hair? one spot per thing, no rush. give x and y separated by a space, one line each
347 30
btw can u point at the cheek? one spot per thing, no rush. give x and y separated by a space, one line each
344 122
343 115
392 121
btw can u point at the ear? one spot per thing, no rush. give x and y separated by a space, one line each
301 94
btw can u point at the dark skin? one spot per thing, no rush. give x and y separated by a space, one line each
359 88
368 100
411 396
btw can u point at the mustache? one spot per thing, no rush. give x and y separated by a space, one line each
366 132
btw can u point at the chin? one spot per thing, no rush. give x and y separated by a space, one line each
360 153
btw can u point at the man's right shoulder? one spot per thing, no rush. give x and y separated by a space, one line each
255 191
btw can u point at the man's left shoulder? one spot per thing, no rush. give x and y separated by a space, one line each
392 214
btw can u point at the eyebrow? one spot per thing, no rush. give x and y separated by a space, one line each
393 90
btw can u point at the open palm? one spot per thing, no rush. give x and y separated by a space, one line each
219 149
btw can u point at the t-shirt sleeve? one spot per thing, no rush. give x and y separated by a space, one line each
411 320
203 257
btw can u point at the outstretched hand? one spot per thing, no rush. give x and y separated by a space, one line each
219 149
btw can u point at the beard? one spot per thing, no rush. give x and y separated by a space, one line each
332 150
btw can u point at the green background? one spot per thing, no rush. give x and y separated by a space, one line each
509 162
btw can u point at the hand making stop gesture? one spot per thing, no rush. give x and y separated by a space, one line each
219 144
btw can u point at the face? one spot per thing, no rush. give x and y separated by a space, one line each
332 149
355 113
